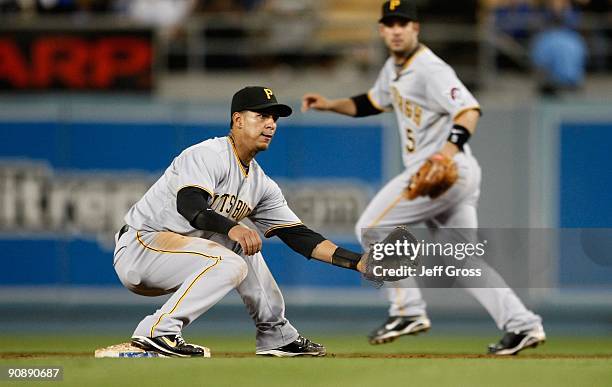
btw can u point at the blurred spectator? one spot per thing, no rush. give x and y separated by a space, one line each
73 6
162 13
228 30
54 7
291 33
167 15
560 12
516 18
559 52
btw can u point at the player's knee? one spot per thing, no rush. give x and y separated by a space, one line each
133 278
243 270
235 265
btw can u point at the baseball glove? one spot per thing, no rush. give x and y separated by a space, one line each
383 263
435 177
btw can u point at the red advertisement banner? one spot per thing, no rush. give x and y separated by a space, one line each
76 60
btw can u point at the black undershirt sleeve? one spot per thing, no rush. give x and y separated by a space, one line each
192 204
303 240
300 239
364 106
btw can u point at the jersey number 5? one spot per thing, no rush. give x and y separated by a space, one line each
410 141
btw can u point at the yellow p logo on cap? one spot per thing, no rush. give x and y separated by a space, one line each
393 4
269 93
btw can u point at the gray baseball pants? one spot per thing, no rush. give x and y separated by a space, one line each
456 208
199 273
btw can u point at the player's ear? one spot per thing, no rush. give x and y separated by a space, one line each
416 26
381 29
236 120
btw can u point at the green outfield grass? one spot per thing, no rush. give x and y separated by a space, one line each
429 360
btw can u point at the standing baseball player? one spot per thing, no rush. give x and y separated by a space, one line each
440 186
186 237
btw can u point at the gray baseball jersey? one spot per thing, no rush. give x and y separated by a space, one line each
236 193
162 253
427 96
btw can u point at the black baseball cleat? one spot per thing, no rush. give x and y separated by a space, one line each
170 345
300 347
397 326
514 342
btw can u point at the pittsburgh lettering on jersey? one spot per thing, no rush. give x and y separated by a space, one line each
407 107
410 140
231 206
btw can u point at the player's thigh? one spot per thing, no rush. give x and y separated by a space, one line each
159 262
390 208
463 215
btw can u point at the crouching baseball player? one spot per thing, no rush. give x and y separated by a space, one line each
184 237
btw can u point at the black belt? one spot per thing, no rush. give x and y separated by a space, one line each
123 230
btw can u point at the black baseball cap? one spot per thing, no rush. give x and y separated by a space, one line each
259 99
403 9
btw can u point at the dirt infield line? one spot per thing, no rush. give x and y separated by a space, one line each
57 355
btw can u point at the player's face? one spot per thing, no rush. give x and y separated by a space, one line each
399 35
258 128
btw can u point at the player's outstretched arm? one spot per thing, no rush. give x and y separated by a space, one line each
327 251
311 244
357 106
315 101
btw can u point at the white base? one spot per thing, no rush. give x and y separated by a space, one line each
127 350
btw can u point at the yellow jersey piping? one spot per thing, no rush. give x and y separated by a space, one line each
460 112
409 61
211 193
216 258
244 171
266 234
375 104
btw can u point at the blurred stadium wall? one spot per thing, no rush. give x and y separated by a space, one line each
80 142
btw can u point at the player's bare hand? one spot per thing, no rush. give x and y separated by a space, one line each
314 101
248 239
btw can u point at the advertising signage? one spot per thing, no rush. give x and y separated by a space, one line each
76 60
